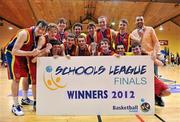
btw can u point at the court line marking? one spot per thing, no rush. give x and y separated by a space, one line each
140 118
159 118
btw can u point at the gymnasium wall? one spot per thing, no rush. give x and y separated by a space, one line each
171 32
6 34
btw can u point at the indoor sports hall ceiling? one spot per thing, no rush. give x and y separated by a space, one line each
24 13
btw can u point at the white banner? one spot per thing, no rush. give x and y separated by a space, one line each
95 85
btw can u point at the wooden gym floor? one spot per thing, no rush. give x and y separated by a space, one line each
169 113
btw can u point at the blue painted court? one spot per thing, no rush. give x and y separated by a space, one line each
175 88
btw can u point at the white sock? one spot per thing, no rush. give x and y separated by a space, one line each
24 94
15 100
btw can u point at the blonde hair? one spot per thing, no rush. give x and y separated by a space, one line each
82 35
102 17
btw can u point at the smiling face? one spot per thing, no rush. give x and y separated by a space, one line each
77 30
120 49
39 30
104 45
102 22
91 30
70 42
52 32
136 50
139 22
61 26
81 43
122 26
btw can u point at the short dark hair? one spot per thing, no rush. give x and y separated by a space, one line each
62 20
105 40
77 24
119 44
135 44
54 42
43 23
124 21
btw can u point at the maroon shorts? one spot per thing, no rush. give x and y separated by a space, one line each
17 66
32 70
159 86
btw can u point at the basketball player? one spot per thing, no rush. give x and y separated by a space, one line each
22 45
122 36
105 32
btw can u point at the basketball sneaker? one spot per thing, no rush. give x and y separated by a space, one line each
16 110
26 101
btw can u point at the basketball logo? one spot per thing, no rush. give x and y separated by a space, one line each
51 81
145 107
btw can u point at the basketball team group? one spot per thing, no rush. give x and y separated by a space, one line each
52 39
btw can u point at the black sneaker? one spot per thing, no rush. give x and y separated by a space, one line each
26 101
34 106
159 101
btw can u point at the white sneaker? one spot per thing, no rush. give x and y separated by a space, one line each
16 110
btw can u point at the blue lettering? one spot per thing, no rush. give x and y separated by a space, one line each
123 69
88 72
78 70
88 94
116 70
80 95
70 94
58 70
94 94
65 71
71 70
101 70
143 70
105 94
129 70
137 70
111 71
